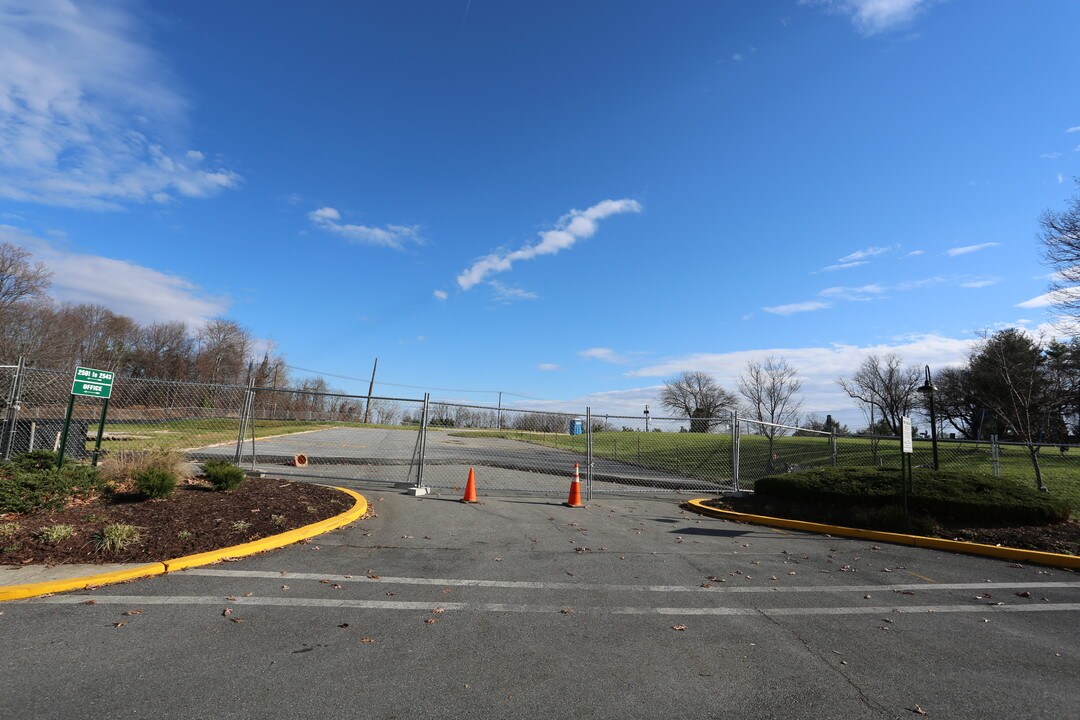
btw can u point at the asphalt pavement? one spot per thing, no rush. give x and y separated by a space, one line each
630 608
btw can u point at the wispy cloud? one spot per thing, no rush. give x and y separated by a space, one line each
507 294
575 225
547 367
919 284
604 355
858 294
139 292
1060 178
915 253
1054 297
799 307
441 294
844 266
391 236
88 114
967 249
1073 129
1051 155
874 16
980 282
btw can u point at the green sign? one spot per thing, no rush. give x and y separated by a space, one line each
92 383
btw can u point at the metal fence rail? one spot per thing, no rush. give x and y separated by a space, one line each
419 442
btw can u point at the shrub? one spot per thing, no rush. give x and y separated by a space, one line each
10 529
53 534
115 537
35 460
24 490
155 483
223 475
950 497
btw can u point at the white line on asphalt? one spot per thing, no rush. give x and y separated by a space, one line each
529 585
521 608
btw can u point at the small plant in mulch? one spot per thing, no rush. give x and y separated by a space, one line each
116 537
155 483
9 529
54 534
241 526
223 475
278 520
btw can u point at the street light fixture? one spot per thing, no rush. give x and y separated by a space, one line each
928 390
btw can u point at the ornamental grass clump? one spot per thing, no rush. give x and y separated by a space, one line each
223 475
116 537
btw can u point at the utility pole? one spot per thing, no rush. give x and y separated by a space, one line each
500 409
370 389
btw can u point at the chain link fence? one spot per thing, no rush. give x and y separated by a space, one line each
423 443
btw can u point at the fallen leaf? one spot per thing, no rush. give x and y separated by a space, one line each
372 576
90 602
226 612
324 581
230 598
439 611
132 612
119 624
284 587
431 621
248 594
343 625
236 620
567 611
918 710
367 640
391 594
678 627
499 559
1024 594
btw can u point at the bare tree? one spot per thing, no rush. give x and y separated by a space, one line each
20 279
224 347
771 387
1060 238
698 396
1017 381
883 383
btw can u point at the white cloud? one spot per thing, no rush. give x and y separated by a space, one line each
844 266
1051 155
88 116
915 253
575 225
507 294
391 236
874 16
441 294
818 367
1054 297
966 249
737 57
863 293
139 292
792 308
1060 178
919 284
604 355
869 252
547 367
980 282
1073 129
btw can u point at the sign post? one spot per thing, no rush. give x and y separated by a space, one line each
88 382
906 449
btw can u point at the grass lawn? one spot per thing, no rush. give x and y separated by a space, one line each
708 456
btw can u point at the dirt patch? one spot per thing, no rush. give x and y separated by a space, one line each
1061 538
195 519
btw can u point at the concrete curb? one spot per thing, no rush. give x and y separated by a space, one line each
957 546
19 592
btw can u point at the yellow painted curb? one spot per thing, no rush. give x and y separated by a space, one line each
957 546
19 592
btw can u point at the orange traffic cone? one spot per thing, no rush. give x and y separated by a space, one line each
470 488
575 490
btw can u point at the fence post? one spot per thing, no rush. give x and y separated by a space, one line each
12 411
588 453
995 455
245 408
735 450
423 442
832 447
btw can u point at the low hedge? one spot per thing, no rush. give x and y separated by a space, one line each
948 497
25 489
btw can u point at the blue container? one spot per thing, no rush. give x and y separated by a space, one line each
577 426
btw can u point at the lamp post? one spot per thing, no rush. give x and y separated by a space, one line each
928 390
646 418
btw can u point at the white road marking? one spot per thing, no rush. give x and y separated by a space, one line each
532 585
142 600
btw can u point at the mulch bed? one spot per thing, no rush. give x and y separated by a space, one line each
195 519
1060 538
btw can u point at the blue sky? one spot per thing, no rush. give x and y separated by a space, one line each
569 201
